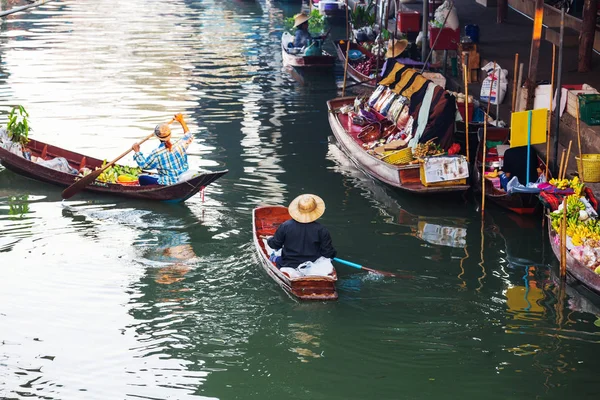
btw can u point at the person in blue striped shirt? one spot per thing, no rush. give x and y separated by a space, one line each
170 160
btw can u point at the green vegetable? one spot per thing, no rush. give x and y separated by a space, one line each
18 125
316 23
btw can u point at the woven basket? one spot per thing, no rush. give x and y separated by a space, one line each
403 156
591 167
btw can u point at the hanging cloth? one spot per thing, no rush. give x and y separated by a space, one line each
423 116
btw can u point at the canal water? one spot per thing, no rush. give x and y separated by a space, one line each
106 298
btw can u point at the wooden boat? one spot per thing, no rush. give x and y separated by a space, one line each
265 221
520 203
299 61
352 72
582 274
405 177
173 193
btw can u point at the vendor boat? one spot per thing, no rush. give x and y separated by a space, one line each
352 71
404 177
175 193
525 202
578 271
265 221
300 61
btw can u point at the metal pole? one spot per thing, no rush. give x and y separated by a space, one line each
424 29
559 90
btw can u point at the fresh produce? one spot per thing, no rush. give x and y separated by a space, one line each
368 66
574 184
583 226
114 172
428 148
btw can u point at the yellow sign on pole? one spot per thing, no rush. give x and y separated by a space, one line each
519 127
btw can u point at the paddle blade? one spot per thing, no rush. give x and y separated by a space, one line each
81 184
375 271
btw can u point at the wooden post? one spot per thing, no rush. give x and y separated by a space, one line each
586 37
534 55
559 87
346 68
502 11
424 30
515 89
483 166
579 141
567 157
563 240
465 72
548 128
490 94
347 23
562 162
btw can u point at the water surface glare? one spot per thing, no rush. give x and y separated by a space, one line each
107 298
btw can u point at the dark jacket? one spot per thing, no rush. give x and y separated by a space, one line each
301 243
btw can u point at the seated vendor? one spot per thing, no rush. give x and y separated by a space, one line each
515 164
170 160
302 37
302 238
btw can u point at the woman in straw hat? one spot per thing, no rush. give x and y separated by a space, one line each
170 160
302 238
302 37
396 49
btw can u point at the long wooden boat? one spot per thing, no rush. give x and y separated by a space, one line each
353 72
299 61
520 203
172 193
265 221
404 177
582 274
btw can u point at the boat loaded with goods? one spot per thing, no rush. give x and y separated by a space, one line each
574 227
43 162
403 133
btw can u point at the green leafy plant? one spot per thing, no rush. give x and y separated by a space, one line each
18 206
316 23
18 125
363 16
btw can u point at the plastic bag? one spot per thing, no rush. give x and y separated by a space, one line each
442 11
493 75
321 267
59 164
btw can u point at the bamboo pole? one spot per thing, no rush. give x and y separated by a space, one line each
562 161
549 123
519 82
346 68
563 240
22 8
579 141
465 73
483 167
490 95
567 160
515 89
347 24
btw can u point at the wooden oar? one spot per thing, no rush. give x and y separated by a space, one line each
91 177
358 266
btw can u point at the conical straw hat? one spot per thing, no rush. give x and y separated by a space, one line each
299 19
399 47
306 208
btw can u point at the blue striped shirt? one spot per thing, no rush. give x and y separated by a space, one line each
169 164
